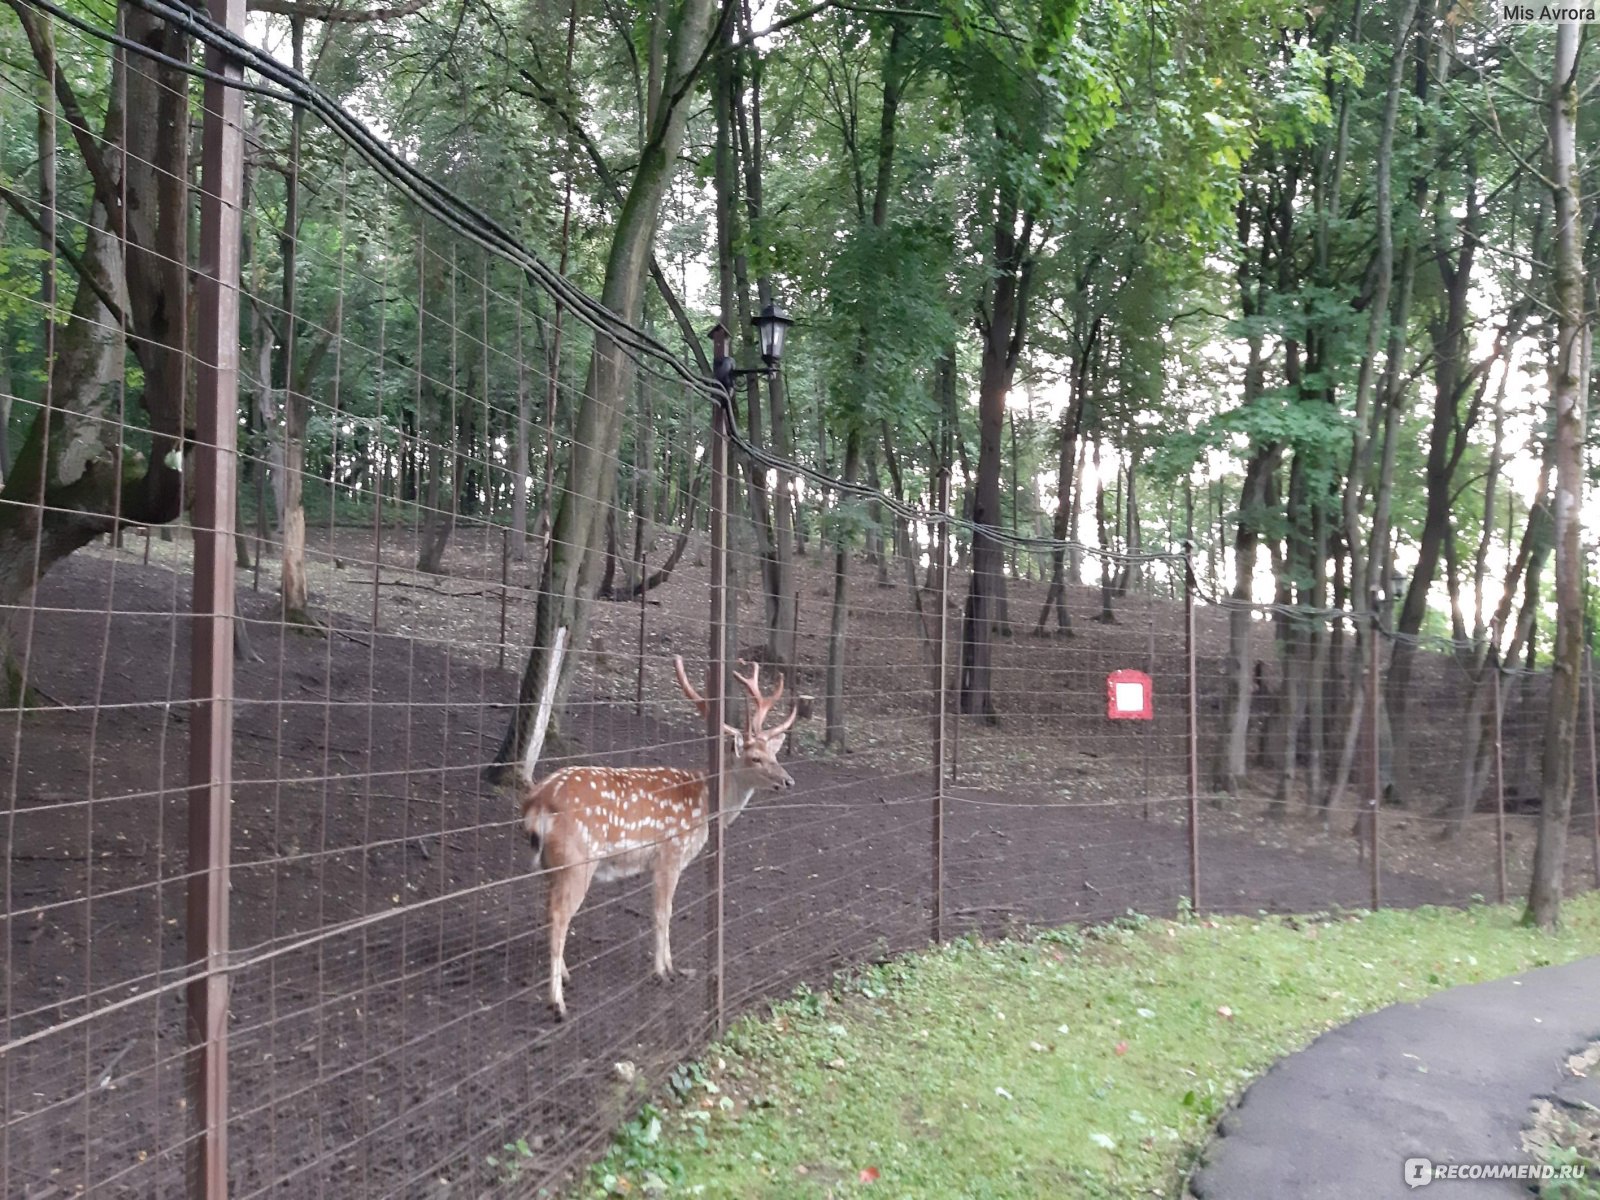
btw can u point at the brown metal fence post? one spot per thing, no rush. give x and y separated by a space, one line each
211 634
716 679
1499 788
938 724
1377 780
1193 718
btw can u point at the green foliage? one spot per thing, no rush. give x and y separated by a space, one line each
1181 166
887 317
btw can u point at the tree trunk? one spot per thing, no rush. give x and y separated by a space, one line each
1075 554
1295 637
1107 614
1066 486
296 589
440 522
784 631
71 458
294 585
1003 322
1569 377
905 551
521 455
1234 766
834 734
1480 562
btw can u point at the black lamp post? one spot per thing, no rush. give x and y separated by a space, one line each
772 325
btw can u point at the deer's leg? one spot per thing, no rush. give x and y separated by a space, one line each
668 869
567 888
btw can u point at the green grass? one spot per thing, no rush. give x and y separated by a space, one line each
1074 1064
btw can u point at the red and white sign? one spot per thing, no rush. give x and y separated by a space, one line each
1128 696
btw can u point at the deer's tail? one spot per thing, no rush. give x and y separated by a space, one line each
536 821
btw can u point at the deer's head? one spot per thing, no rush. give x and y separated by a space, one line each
755 748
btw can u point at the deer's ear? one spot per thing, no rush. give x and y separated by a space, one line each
738 743
775 744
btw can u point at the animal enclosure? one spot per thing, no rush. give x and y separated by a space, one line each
272 569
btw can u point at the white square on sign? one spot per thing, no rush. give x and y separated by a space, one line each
1130 697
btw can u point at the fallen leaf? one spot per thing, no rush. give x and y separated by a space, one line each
1122 1048
868 1175
1225 1012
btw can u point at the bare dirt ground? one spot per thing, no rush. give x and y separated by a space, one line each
388 1029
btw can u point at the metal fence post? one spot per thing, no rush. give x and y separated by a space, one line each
716 679
1377 775
938 724
211 633
1193 718
1499 788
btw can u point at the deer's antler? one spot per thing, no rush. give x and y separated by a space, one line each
763 704
695 697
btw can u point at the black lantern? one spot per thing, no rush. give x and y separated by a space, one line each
773 326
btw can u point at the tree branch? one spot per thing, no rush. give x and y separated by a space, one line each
333 14
878 10
23 209
608 180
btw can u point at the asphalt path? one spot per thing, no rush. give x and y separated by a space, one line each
1450 1079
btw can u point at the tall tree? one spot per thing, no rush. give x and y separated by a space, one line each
568 575
1569 380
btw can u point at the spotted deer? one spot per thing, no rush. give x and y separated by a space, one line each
604 823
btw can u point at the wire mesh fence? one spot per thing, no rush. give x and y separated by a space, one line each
273 560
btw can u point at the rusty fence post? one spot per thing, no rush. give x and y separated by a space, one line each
938 724
1499 786
211 632
1374 728
1193 731
716 715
